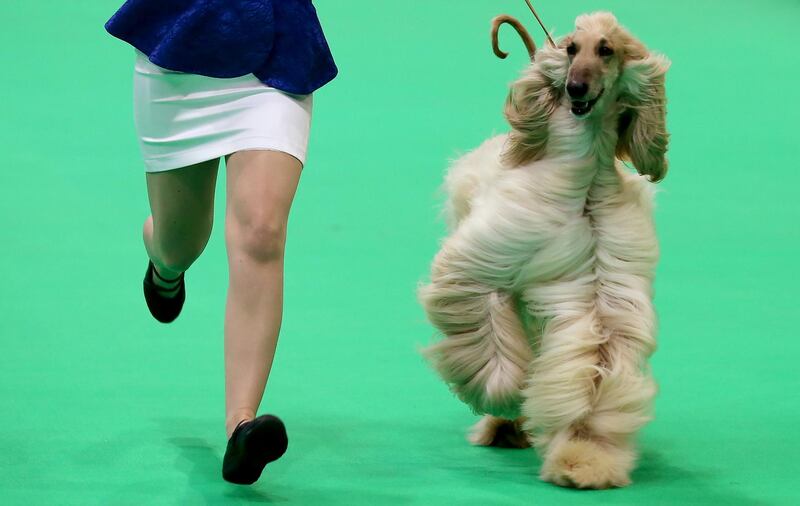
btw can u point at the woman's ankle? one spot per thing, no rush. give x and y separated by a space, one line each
237 417
166 278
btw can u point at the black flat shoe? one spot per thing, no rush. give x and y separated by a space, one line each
163 308
252 446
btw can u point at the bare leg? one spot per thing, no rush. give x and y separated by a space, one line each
261 187
182 206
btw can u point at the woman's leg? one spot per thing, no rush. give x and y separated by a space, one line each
261 187
182 206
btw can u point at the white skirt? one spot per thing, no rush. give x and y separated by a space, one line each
184 119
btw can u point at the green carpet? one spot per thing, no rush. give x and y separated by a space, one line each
101 405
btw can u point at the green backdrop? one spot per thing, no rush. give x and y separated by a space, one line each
101 405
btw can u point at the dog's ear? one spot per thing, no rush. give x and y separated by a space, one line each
643 136
531 100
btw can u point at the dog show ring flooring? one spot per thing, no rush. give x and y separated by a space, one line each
101 405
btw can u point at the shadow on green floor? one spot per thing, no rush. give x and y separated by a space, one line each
201 463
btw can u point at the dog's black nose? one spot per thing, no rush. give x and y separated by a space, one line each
576 89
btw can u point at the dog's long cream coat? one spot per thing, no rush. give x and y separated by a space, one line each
543 290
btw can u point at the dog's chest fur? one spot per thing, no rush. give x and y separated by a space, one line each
591 227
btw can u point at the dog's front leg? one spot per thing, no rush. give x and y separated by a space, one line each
589 389
485 353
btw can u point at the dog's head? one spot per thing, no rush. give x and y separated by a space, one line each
599 71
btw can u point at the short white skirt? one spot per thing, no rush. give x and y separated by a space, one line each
184 119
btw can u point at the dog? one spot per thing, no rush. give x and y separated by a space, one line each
543 288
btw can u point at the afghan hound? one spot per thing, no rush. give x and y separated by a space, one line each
543 289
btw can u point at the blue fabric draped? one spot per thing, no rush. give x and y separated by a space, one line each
280 41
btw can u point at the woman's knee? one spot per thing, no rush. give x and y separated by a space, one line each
261 238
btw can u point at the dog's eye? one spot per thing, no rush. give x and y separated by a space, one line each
605 51
572 50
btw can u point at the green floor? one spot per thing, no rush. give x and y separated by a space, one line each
101 405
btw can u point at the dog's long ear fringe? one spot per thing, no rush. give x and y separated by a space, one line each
643 137
530 103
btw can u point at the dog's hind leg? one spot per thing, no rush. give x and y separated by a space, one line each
485 352
499 432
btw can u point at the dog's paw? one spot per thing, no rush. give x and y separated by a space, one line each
499 432
583 463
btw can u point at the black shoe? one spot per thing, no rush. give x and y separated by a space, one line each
163 308
252 446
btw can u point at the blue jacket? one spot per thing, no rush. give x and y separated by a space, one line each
279 41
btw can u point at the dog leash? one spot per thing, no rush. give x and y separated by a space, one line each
549 38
